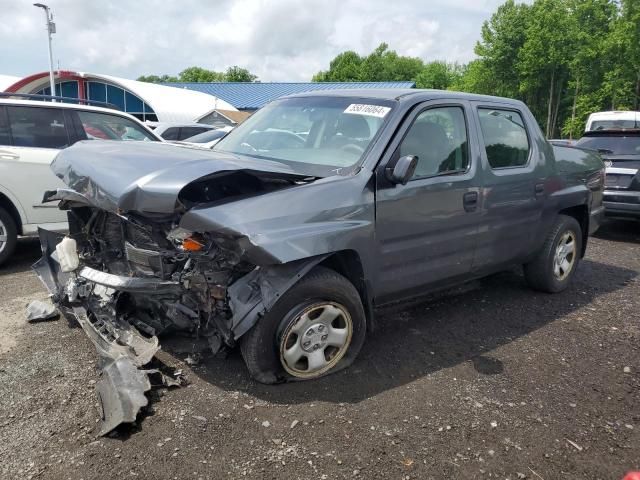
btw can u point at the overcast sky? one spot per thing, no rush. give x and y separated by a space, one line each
279 40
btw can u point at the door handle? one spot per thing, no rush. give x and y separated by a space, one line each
9 156
470 201
539 188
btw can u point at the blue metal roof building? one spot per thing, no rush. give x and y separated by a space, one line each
251 96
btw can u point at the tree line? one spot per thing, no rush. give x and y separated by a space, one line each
199 74
563 58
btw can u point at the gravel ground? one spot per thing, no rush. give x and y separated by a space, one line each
490 380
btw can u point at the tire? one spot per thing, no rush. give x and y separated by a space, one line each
8 235
546 272
303 321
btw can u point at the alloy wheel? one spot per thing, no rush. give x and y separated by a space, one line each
565 256
4 236
316 340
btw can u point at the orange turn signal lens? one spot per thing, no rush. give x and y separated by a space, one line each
190 244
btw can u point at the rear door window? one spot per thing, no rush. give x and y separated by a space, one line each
5 132
102 126
505 138
171 133
186 132
38 127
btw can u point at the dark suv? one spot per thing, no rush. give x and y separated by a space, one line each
620 150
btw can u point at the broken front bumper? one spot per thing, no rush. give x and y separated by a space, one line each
122 349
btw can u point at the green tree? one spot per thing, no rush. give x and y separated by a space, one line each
199 74
622 81
381 65
345 67
439 74
476 77
501 39
238 74
589 61
157 79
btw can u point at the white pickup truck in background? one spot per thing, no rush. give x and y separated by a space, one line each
612 120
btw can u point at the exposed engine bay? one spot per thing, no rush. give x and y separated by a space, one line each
188 274
129 278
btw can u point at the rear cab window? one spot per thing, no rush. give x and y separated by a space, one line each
505 137
38 127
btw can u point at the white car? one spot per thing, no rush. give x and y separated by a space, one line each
612 120
31 134
178 131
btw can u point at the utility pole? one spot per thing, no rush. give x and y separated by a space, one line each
51 29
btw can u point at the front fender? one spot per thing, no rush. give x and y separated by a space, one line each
258 291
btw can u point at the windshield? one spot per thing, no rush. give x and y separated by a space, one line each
323 135
613 145
208 136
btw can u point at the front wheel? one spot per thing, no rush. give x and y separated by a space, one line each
316 328
555 265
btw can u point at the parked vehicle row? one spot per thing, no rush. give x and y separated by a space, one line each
31 135
615 135
620 150
179 131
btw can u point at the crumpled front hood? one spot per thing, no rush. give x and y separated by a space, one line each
147 177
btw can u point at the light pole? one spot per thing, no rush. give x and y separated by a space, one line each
51 29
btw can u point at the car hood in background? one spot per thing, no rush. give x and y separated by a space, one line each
148 177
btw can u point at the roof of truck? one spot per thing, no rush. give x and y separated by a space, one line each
398 93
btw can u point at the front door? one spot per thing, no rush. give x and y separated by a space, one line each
426 230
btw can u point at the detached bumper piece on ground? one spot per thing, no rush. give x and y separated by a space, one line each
122 349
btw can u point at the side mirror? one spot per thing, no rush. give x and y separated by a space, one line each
403 170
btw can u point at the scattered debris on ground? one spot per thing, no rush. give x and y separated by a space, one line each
39 311
489 381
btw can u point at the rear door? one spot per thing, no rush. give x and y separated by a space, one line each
38 134
426 230
513 190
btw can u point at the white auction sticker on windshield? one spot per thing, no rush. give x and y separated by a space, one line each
371 110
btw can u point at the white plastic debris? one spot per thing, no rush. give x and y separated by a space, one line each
38 311
67 252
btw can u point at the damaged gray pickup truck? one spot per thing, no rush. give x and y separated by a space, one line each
319 208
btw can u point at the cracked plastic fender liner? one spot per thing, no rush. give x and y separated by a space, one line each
122 386
121 393
257 292
130 343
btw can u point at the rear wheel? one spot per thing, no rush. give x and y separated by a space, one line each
316 328
8 235
554 266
